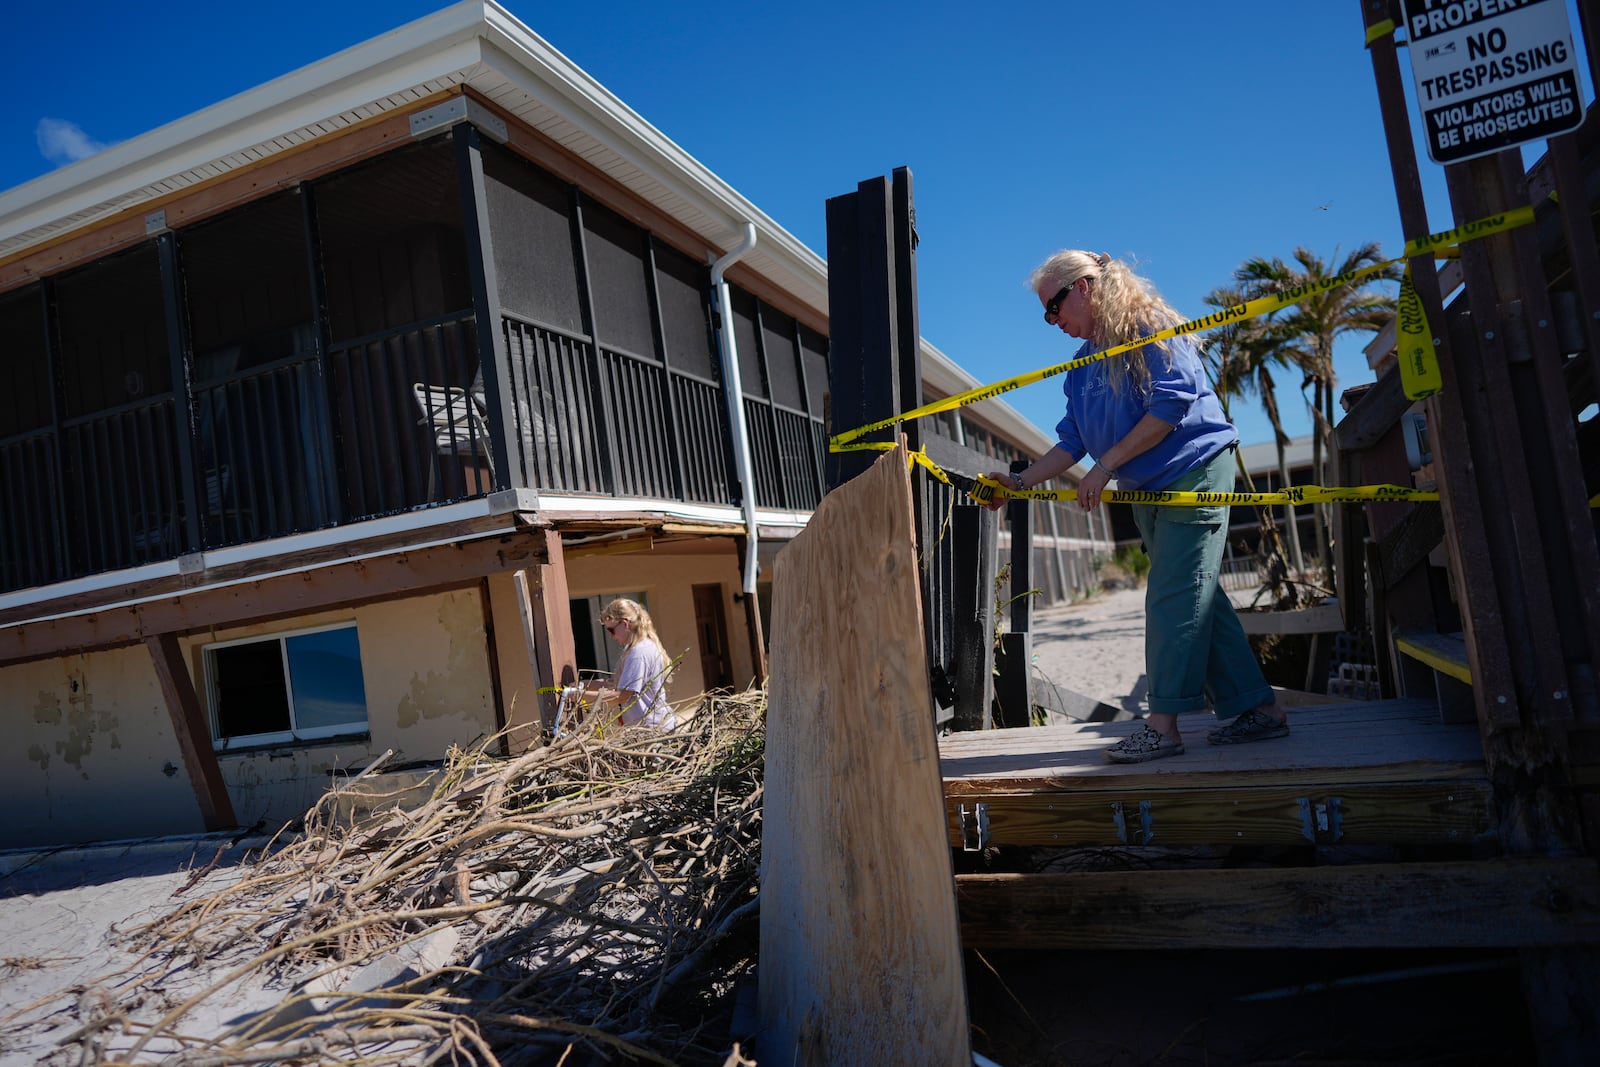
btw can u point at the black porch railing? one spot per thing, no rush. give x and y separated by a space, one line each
381 425
120 480
612 423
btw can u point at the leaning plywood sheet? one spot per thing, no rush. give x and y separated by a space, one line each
860 956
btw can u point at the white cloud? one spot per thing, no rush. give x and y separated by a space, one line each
63 142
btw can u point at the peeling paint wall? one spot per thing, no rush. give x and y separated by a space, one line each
91 753
94 755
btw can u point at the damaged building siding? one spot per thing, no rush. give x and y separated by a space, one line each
96 757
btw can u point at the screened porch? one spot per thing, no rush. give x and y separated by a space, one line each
315 358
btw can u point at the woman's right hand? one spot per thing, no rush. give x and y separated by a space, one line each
998 500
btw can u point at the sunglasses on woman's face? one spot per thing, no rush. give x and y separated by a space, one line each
1053 308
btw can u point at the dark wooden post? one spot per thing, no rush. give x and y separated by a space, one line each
182 388
874 373
493 356
1465 533
1016 647
1522 545
975 537
192 730
863 322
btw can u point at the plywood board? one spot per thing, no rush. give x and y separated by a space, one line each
860 959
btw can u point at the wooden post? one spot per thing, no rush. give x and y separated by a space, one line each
547 621
1016 647
752 620
863 380
975 539
1465 532
193 731
1522 544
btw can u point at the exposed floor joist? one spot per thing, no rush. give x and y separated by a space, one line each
1479 903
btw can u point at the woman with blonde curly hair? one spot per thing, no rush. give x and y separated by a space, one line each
1150 420
639 688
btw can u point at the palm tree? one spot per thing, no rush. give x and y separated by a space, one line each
1311 327
1240 357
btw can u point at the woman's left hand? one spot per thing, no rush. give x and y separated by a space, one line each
1089 490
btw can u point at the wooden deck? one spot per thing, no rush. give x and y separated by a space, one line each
1378 773
1363 772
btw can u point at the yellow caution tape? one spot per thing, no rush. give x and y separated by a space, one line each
1469 231
1250 309
987 489
1419 360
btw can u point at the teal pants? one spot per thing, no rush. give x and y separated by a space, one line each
1195 651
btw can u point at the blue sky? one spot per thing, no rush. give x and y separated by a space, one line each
1187 137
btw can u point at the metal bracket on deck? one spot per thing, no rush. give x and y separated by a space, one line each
1322 822
974 827
1146 823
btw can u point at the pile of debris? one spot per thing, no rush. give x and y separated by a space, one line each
593 900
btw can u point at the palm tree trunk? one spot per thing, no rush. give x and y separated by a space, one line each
1295 557
1269 547
1319 465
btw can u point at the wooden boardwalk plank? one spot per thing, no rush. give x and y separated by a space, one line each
1360 741
1364 772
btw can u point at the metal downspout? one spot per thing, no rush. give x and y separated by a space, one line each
734 392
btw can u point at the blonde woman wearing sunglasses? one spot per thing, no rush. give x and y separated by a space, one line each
639 688
1151 421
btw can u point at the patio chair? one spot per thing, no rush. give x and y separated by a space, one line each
457 426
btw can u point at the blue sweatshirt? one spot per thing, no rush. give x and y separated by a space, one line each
1097 417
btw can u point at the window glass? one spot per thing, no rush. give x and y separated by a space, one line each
291 687
248 690
325 670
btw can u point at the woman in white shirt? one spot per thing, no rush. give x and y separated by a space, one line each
639 687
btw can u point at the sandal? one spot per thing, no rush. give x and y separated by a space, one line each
1146 743
1253 725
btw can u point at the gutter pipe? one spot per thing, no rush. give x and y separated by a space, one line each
734 394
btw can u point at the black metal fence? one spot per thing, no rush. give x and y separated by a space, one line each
382 424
